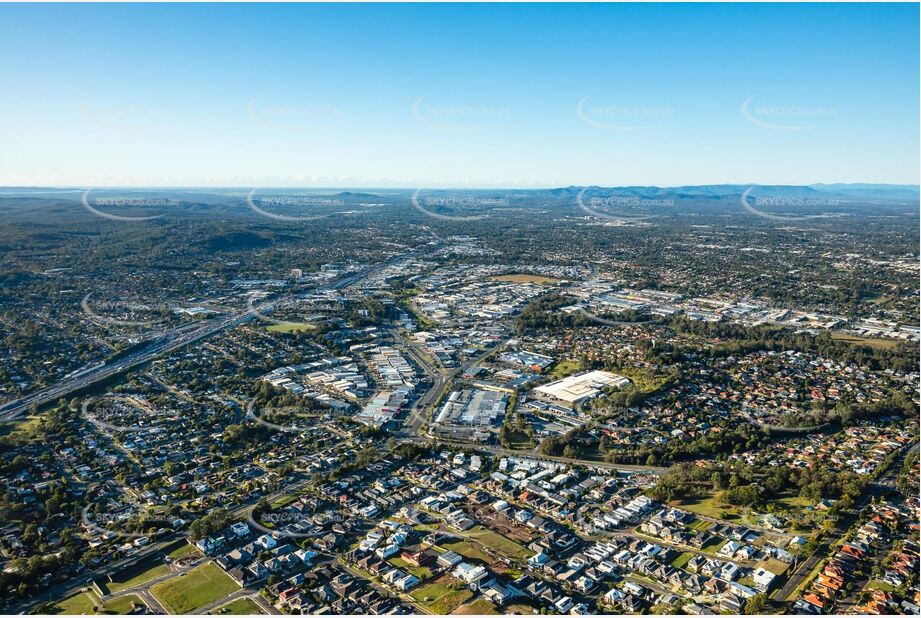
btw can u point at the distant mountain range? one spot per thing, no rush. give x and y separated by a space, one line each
841 191
846 192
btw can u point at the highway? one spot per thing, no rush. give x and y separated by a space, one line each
166 343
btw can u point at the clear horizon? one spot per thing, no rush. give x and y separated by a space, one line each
488 96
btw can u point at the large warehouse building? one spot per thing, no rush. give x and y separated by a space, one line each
582 387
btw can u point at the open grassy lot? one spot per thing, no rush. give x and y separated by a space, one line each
499 543
25 429
181 550
122 605
876 584
479 607
470 550
713 545
200 586
422 572
76 604
85 602
290 327
521 608
566 368
442 596
710 506
285 501
882 344
136 575
701 524
644 379
524 278
794 502
682 560
239 607
775 566
519 440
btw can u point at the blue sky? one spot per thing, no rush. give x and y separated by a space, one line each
420 95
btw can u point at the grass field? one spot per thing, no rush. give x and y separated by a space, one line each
290 327
880 585
25 429
76 604
794 502
882 344
566 368
183 549
84 602
122 605
521 608
682 560
710 506
701 524
775 566
136 575
525 278
200 586
499 543
479 607
646 380
713 545
284 501
422 572
442 596
470 550
519 440
239 607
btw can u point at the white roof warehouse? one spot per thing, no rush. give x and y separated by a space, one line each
582 386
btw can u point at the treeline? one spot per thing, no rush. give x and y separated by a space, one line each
907 482
741 484
563 445
212 523
743 339
848 413
543 312
728 440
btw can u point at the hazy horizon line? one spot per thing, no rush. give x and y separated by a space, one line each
407 187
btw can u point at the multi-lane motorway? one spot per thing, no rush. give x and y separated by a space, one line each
167 342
